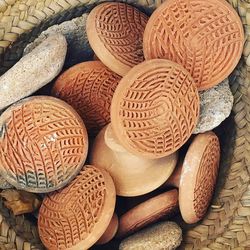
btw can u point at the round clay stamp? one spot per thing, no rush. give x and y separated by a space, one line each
88 87
205 37
132 175
76 217
198 176
150 211
115 33
155 108
43 144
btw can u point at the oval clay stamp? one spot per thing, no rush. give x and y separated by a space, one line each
76 217
115 33
43 144
88 87
155 108
205 37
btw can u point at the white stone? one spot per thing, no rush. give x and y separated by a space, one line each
215 106
75 33
33 71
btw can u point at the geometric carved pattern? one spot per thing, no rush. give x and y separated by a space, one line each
43 144
88 87
206 177
205 37
155 108
119 28
69 217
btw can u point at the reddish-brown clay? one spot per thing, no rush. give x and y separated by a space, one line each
88 87
115 33
132 175
75 217
206 37
150 211
43 144
155 108
110 232
198 176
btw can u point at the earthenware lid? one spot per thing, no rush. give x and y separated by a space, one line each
150 211
88 87
155 108
206 37
115 33
198 176
132 175
77 216
43 144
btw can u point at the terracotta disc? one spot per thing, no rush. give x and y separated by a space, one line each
198 176
155 108
88 87
131 174
75 217
110 232
43 144
115 33
206 37
150 211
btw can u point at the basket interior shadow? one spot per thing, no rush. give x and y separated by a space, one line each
226 131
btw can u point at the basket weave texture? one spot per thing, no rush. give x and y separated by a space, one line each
227 225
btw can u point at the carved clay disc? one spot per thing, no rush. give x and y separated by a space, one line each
155 108
206 37
198 176
88 87
43 144
76 217
115 33
148 212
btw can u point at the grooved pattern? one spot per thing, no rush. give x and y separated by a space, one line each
120 27
155 108
206 177
206 37
43 144
69 216
89 88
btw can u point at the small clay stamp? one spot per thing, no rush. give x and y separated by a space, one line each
43 144
115 33
205 37
77 216
155 108
150 211
88 87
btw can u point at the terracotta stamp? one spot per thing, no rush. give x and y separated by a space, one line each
206 37
115 33
43 144
155 108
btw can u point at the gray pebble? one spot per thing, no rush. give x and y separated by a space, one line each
75 33
215 106
162 236
33 70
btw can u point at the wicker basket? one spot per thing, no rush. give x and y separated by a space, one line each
227 225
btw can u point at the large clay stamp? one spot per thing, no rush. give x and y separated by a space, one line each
43 144
76 217
88 87
155 108
206 37
150 211
115 33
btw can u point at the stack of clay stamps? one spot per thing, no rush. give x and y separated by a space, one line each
146 103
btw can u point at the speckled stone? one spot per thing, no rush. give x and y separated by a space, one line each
215 106
33 70
75 33
164 235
